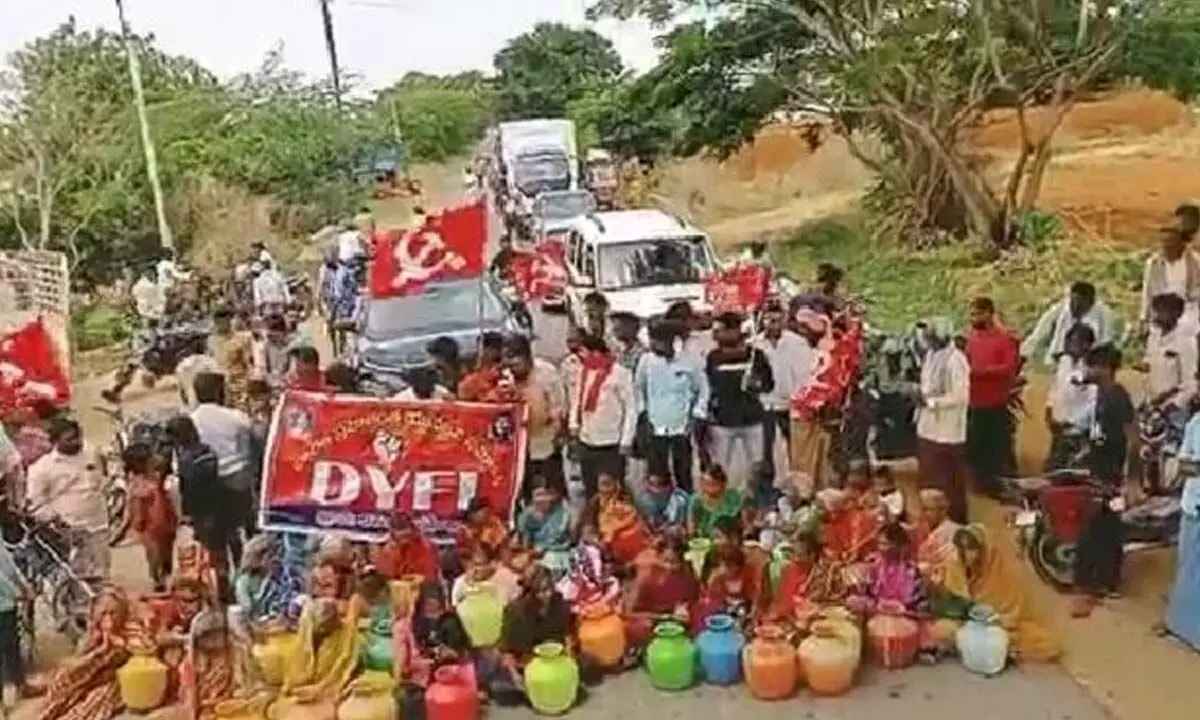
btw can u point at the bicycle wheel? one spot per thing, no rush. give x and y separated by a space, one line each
70 607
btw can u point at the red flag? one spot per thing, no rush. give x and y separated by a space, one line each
30 369
542 272
448 246
742 289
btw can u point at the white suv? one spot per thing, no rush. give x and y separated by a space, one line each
641 260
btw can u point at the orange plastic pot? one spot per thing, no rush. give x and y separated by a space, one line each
770 665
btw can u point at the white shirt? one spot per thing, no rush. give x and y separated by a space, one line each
187 370
1056 322
614 420
1071 402
349 245
70 487
270 287
227 432
1172 361
169 273
942 417
149 298
792 359
439 393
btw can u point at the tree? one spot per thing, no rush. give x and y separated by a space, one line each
65 148
913 73
540 73
437 116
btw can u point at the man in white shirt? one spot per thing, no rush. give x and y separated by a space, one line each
1175 268
602 415
1071 402
792 359
270 290
350 246
945 390
149 297
230 435
169 273
68 483
1171 357
1079 307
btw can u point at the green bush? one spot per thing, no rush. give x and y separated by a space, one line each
98 326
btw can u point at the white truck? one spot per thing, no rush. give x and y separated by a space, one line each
536 156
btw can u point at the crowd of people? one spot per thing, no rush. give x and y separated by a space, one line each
681 507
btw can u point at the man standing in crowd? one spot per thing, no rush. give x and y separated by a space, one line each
1071 401
627 346
693 341
447 361
603 414
233 349
231 436
1079 307
791 358
68 483
738 374
942 417
477 383
195 362
537 383
271 352
270 290
995 362
595 315
1175 268
1171 362
672 393
204 498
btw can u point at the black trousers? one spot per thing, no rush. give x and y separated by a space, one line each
989 447
12 667
776 422
1100 554
670 456
596 460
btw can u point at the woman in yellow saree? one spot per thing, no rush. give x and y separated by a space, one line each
993 580
327 651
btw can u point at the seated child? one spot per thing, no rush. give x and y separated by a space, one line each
734 588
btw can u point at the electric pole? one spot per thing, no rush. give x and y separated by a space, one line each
139 102
331 48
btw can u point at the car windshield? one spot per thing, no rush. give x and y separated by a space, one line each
542 173
670 261
438 307
563 206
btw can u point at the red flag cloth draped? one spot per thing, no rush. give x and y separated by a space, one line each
742 289
541 272
837 366
30 370
448 246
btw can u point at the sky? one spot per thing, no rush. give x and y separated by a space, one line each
378 40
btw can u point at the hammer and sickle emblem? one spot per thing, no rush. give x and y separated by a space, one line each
429 259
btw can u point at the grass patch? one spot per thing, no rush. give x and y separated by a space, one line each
902 286
97 326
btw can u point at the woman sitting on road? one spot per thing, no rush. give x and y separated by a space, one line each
85 687
992 580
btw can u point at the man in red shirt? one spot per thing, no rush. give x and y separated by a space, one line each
994 356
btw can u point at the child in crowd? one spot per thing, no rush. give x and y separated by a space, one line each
150 514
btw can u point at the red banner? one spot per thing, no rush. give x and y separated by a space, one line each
30 370
742 289
346 464
542 272
448 246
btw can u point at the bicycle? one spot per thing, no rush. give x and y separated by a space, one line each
43 553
